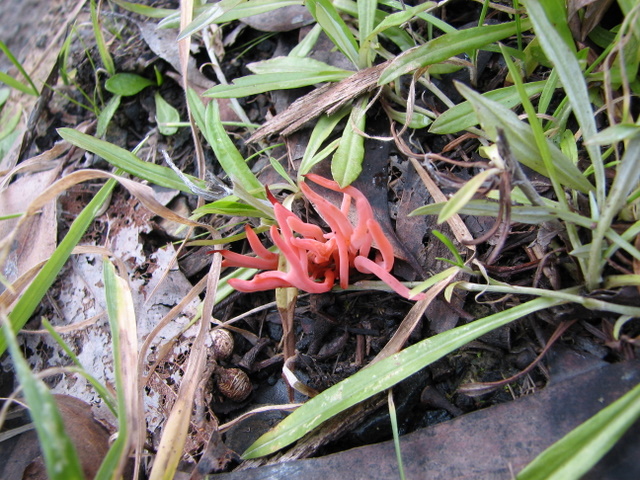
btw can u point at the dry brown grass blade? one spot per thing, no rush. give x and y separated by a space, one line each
177 425
128 336
458 227
411 320
326 99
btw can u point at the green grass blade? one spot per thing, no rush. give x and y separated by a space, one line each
105 56
107 113
210 15
383 375
31 298
226 152
346 164
121 316
465 194
59 454
447 46
328 17
321 131
574 455
255 84
31 89
144 10
462 116
127 161
566 64
521 139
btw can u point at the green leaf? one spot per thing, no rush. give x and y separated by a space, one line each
127 84
230 206
346 164
105 56
462 116
226 152
31 298
573 456
166 114
254 84
106 115
521 214
127 161
144 10
59 454
321 131
447 46
210 15
334 27
521 140
465 194
566 64
383 375
31 88
614 134
287 65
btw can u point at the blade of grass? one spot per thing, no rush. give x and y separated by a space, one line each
124 342
573 456
346 164
566 64
447 46
493 115
105 56
127 161
60 457
462 116
32 297
383 375
334 27
15 83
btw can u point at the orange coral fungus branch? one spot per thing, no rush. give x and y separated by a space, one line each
315 259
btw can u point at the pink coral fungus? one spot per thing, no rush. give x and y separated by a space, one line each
316 259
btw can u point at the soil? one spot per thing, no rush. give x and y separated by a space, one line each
337 333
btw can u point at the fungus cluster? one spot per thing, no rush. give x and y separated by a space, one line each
316 259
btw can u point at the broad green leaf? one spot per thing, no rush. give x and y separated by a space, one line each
226 152
383 375
254 84
573 456
166 114
521 140
462 116
60 457
127 84
334 27
447 46
9 120
346 164
465 194
127 161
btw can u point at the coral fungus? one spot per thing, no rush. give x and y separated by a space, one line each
316 259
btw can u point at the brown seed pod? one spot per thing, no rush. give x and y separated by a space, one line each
233 383
222 343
